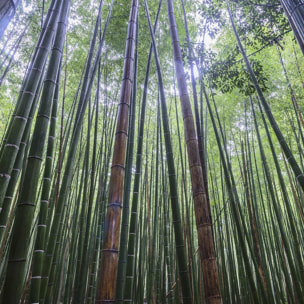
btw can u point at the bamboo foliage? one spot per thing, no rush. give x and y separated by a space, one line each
292 161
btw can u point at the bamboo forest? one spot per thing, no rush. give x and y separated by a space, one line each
151 151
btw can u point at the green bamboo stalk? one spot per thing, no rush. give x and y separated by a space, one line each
60 239
289 156
133 220
151 282
21 234
27 95
271 196
67 177
272 233
178 232
233 197
294 12
256 214
9 195
82 281
295 106
44 200
253 224
74 238
83 218
291 261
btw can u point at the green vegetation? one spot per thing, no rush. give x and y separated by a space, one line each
151 151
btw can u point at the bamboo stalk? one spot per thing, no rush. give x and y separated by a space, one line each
109 256
202 209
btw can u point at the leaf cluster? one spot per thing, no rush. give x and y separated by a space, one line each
230 73
259 21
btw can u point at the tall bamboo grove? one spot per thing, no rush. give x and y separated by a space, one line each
151 152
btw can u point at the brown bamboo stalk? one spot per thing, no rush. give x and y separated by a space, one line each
202 210
109 257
